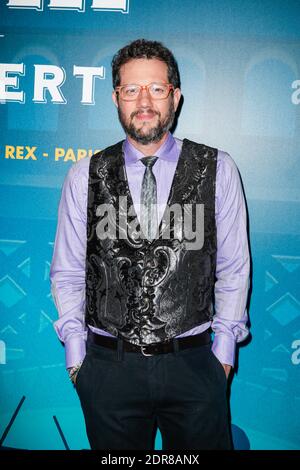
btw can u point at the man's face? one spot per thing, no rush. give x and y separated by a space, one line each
146 120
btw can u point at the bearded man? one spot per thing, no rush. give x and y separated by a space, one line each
151 294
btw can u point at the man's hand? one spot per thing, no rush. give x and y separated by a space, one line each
227 369
73 372
74 377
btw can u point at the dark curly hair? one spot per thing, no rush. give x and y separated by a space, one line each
144 49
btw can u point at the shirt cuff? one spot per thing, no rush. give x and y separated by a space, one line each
75 351
223 348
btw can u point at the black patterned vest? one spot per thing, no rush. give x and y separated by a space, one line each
150 291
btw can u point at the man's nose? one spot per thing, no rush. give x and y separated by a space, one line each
144 96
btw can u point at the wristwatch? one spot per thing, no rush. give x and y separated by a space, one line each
73 372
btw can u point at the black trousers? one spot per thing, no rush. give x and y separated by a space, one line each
125 396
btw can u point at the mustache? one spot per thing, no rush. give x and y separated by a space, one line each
144 110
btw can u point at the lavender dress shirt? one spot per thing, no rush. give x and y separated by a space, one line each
67 271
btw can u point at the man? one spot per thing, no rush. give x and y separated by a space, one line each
134 284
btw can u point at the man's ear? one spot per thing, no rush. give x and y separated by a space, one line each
115 98
176 97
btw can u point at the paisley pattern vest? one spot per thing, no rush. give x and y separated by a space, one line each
149 291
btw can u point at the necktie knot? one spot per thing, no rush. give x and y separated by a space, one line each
149 161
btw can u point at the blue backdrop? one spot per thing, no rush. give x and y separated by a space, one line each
240 71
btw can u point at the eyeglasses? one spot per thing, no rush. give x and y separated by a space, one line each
157 91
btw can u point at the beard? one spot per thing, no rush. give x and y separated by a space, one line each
152 134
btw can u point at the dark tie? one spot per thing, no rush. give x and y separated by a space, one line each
148 214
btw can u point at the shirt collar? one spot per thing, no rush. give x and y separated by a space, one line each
167 151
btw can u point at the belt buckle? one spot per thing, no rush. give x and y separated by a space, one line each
142 349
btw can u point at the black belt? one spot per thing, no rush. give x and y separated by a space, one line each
152 349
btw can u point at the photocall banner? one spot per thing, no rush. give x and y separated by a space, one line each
240 76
